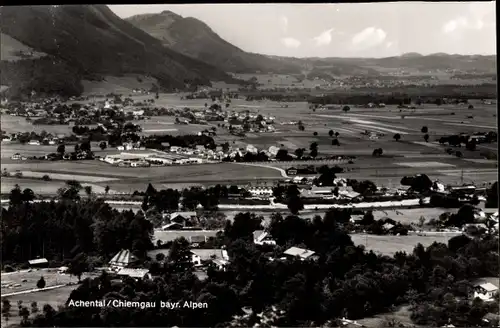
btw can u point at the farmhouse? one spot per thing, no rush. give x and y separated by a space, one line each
304 254
485 292
122 259
261 237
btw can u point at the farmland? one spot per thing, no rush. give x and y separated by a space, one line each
408 156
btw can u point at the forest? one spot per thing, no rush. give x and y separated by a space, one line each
345 280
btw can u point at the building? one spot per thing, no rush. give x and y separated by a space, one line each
182 217
273 150
485 291
252 149
303 254
172 226
261 191
261 237
135 273
122 259
201 256
39 263
291 171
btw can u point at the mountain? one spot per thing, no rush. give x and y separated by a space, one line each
410 61
90 42
194 38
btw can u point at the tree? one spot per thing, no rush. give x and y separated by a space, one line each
315 134
106 190
61 149
34 307
79 265
492 196
88 190
337 134
24 313
426 138
424 129
458 153
77 148
471 107
299 152
471 145
377 152
103 145
335 142
6 307
346 109
41 283
397 136
295 204
330 133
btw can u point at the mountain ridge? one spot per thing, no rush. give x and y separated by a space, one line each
95 42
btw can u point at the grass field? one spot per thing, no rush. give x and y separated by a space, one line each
389 245
54 297
51 276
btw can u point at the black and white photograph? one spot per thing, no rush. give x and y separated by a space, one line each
249 165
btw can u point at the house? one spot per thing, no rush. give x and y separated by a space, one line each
200 256
273 150
291 171
388 226
261 237
172 226
135 273
34 143
261 191
252 149
39 263
200 148
197 239
322 190
182 217
122 259
485 291
16 156
304 254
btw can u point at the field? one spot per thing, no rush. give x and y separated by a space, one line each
53 297
389 245
52 278
410 155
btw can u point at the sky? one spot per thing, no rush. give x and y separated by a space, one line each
344 30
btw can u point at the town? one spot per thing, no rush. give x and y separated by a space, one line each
155 174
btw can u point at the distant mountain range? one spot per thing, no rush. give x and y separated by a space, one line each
194 38
54 48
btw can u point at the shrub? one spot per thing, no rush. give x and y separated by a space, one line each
46 178
41 283
8 268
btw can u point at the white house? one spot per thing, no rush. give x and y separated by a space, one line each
273 150
304 254
485 291
252 149
261 237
